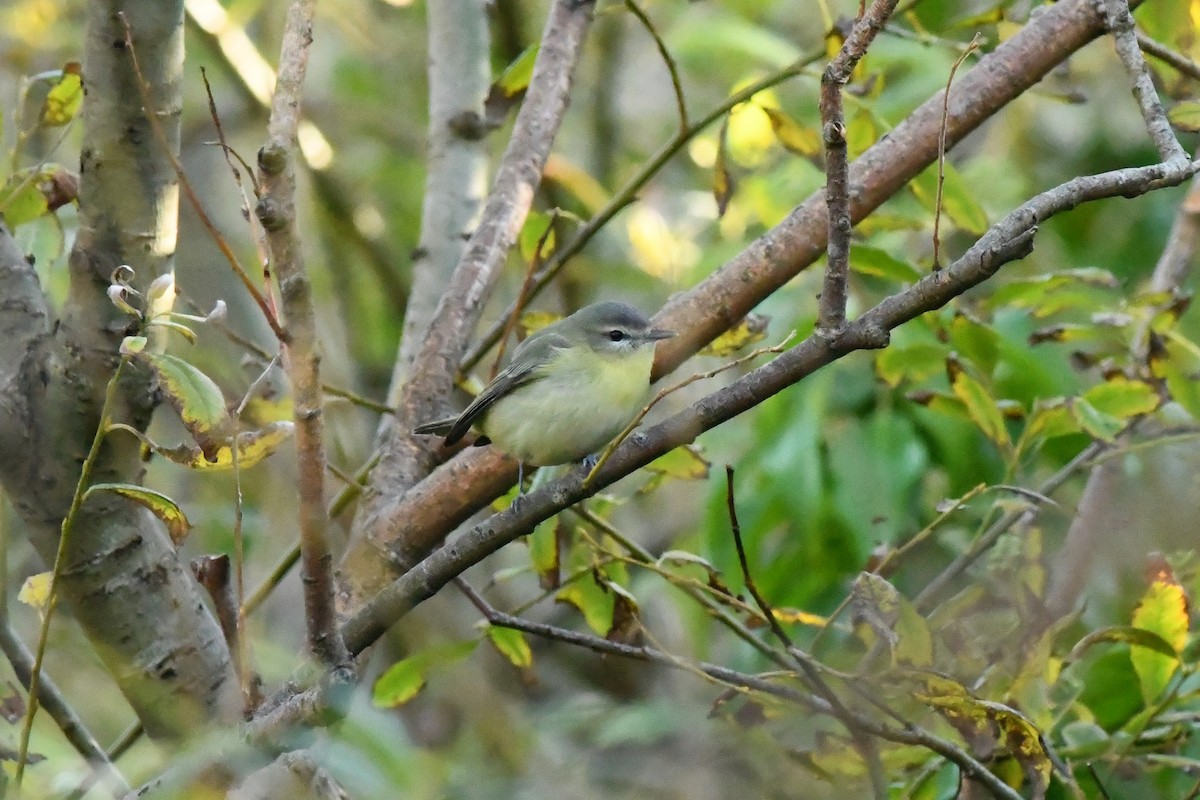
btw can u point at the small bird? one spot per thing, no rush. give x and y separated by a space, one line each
569 389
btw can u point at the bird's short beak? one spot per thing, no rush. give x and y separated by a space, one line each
655 334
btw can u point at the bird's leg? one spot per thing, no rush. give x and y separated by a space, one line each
590 462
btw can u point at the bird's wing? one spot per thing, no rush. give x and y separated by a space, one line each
525 367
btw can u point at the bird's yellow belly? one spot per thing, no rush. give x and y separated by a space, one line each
571 413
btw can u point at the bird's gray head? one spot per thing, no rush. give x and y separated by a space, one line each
618 328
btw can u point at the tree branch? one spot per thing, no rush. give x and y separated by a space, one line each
406 459
276 210
837 171
1121 25
1010 239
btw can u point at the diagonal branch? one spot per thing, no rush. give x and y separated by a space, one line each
276 210
1008 240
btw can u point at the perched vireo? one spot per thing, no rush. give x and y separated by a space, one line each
569 389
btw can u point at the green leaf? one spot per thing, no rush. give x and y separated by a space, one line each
914 362
980 404
914 643
512 645
977 342
544 552
1104 427
538 229
158 503
682 463
1051 418
1185 116
1122 398
592 599
873 261
958 201
402 680
1163 610
23 197
1168 363
516 76
65 97
197 398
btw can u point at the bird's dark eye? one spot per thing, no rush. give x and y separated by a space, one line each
617 335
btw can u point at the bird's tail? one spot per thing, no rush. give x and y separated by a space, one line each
439 427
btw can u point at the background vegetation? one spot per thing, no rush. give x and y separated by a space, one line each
972 548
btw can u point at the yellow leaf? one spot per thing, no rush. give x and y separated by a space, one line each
752 328
35 591
512 645
253 447
796 138
64 98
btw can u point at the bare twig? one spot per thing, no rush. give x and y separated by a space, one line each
1121 25
688 381
1168 56
676 84
907 735
832 313
941 160
197 206
277 212
523 293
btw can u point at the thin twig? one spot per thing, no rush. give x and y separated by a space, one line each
64 540
676 84
1168 56
523 294
688 381
1121 25
941 159
197 206
832 314
277 211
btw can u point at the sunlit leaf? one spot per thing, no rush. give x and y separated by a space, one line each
1122 398
253 447
1104 427
592 599
979 403
537 236
682 463
1163 610
510 87
545 547
65 97
35 591
512 645
533 321
802 140
975 341
158 503
1051 418
752 329
401 681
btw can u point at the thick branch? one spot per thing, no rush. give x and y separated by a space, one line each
123 581
1010 239
277 211
721 300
